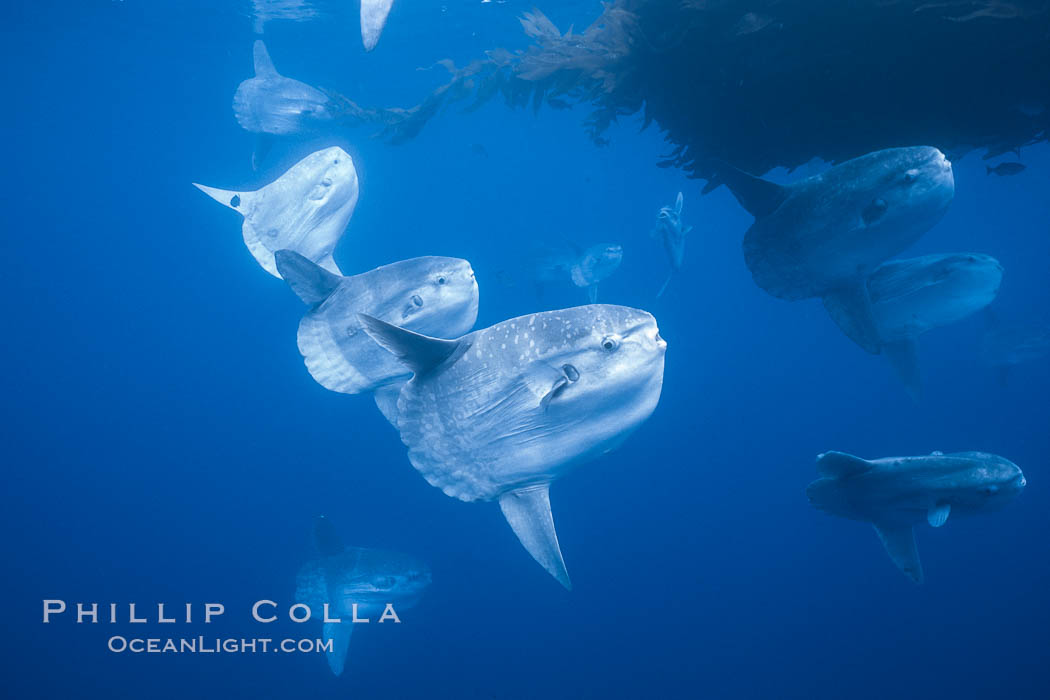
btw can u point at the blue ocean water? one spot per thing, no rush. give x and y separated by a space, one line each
164 442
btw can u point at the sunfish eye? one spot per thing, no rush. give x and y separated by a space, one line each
911 175
610 343
442 280
417 300
989 490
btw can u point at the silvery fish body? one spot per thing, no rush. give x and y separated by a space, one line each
305 210
432 295
910 297
344 577
270 103
502 412
895 493
824 235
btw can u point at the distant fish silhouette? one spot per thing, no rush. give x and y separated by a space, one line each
1005 169
670 231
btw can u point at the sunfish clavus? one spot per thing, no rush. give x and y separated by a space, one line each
355 582
824 235
305 210
502 412
896 493
432 295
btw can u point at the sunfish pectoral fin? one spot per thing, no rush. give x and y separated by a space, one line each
528 511
310 281
899 541
338 635
839 464
420 353
373 19
938 515
903 355
228 198
326 538
850 309
263 65
544 381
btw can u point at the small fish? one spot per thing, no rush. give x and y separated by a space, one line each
896 493
502 412
1005 169
305 210
355 582
670 231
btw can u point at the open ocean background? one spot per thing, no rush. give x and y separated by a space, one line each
164 443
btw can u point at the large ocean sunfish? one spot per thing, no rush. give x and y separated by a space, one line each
305 210
910 297
502 412
355 583
896 493
824 235
432 295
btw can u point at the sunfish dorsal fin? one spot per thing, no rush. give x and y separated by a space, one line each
310 282
263 65
238 201
850 309
899 541
839 464
760 197
904 357
938 515
328 541
373 19
339 634
678 204
420 353
528 511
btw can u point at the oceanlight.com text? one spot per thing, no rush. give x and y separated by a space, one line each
216 645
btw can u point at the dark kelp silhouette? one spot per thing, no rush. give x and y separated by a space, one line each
768 83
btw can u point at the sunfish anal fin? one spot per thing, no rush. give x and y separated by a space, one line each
528 511
310 281
760 197
904 357
420 353
839 464
899 541
339 634
373 19
228 198
938 515
850 309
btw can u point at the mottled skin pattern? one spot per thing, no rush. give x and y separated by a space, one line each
269 103
909 297
435 296
843 223
525 400
904 489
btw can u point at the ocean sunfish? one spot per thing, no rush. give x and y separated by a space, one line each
584 267
895 493
432 295
909 297
305 210
355 583
373 19
502 412
670 231
823 236
270 103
